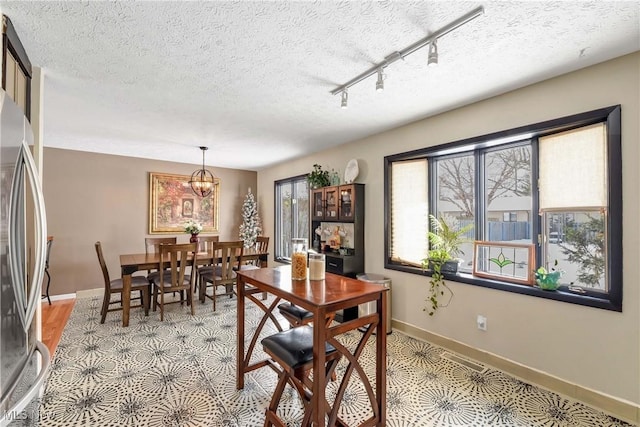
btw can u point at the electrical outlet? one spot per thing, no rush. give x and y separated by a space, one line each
482 322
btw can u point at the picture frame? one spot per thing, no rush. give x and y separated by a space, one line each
187 208
172 202
512 262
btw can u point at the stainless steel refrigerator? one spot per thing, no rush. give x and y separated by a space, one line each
23 359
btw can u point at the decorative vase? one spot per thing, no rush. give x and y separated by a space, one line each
549 282
194 238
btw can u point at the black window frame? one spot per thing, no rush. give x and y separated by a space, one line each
611 300
278 255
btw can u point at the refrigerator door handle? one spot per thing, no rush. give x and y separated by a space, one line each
34 389
40 231
27 304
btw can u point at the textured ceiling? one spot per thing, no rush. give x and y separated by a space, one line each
252 80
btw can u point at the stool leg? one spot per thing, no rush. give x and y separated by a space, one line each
271 418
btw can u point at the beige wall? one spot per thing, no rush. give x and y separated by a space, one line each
91 197
595 348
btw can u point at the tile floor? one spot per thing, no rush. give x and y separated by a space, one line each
181 372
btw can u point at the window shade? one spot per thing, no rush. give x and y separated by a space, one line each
573 168
409 211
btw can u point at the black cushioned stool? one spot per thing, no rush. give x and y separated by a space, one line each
296 316
293 351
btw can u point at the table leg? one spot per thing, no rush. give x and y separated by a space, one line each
263 264
240 335
126 298
381 358
319 373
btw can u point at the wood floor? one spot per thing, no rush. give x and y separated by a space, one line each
54 319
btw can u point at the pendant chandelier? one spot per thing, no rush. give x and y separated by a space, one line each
202 180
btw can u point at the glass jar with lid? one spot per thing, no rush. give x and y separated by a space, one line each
316 266
299 258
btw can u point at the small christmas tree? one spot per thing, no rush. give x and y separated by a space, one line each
250 228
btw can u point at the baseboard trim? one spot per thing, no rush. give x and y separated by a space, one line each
90 293
60 297
619 408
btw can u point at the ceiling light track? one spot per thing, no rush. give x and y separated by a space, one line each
429 40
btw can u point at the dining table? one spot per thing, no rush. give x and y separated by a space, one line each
322 298
130 263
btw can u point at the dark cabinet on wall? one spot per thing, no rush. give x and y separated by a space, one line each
337 227
16 68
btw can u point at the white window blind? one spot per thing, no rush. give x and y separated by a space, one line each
573 168
409 211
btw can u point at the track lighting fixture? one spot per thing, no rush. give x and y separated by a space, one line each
433 53
380 82
431 40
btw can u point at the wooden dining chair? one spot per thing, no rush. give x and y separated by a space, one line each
152 246
182 258
262 246
205 244
224 274
138 283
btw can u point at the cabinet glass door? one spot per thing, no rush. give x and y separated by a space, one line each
317 203
331 199
347 202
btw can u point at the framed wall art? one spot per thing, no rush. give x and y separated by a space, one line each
172 203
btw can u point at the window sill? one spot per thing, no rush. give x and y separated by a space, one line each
590 299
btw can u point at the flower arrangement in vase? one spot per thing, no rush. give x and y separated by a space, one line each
194 228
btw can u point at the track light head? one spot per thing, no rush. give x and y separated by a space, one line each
345 97
433 53
380 82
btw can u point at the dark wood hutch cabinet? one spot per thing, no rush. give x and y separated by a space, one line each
340 209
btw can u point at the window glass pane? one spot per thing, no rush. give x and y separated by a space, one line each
284 192
409 213
455 178
291 213
507 195
576 239
301 226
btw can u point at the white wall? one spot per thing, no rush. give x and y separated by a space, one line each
594 348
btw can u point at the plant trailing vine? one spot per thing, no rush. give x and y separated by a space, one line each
437 284
445 240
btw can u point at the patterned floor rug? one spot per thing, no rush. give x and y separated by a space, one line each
181 372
